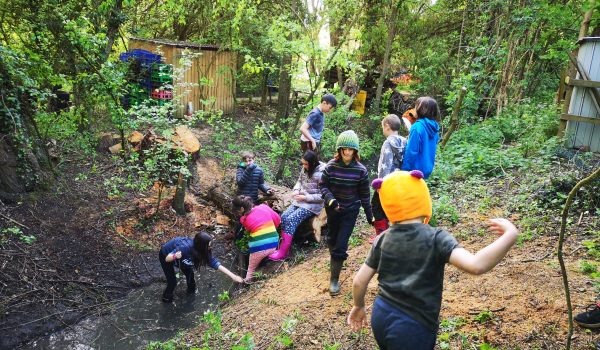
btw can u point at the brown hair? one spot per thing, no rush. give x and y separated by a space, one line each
313 162
242 202
427 107
393 122
246 154
338 155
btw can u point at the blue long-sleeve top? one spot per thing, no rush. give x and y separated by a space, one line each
421 147
185 245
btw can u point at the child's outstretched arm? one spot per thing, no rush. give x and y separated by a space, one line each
231 275
488 257
358 317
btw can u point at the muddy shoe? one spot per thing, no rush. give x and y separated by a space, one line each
191 289
590 318
166 299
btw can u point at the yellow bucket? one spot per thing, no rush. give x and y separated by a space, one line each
358 105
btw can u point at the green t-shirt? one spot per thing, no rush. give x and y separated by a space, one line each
410 261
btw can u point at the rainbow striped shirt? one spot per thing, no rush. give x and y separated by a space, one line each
262 224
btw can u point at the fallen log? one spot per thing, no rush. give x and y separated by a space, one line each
223 193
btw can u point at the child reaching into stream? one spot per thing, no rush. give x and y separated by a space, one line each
188 254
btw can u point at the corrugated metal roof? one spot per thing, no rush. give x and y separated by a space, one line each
589 39
181 44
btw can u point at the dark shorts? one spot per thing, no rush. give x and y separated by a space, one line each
395 330
307 145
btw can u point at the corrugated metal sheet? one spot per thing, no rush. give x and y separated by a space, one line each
581 133
210 76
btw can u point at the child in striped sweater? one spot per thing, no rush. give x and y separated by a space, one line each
345 187
261 221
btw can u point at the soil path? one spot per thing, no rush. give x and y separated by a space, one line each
520 304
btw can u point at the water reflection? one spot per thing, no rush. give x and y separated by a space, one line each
141 317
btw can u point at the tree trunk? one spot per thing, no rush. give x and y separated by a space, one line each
334 36
285 87
264 87
454 117
179 199
24 164
114 23
585 24
386 56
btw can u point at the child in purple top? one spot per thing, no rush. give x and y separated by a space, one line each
345 187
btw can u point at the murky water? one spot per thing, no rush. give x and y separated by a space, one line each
142 317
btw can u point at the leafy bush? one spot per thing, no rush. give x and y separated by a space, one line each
483 149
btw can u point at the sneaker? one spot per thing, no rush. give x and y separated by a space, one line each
590 318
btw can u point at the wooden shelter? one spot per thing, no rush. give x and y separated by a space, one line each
208 84
581 111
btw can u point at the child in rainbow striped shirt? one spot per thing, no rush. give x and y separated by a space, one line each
261 221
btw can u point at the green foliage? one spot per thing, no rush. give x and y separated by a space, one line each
16 233
483 316
334 346
168 345
588 267
224 296
355 240
242 243
516 139
444 211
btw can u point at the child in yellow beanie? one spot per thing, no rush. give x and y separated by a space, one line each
410 260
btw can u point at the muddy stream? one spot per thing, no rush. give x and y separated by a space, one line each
142 318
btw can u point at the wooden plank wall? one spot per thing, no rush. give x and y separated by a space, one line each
210 75
583 133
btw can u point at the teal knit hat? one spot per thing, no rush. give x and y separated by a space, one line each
347 139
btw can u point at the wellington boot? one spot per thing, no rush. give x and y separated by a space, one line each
284 248
334 280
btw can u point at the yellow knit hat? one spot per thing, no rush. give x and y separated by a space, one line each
404 195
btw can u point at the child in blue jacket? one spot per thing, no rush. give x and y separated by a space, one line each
423 137
188 254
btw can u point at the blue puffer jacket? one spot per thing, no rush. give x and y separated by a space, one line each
421 147
250 179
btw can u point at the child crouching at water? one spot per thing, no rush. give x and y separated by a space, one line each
410 259
261 222
188 254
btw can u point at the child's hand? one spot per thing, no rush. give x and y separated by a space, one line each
237 279
270 192
299 198
357 318
501 226
243 164
177 255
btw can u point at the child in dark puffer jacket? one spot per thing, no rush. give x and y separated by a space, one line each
250 178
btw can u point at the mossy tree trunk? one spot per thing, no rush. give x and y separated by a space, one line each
24 161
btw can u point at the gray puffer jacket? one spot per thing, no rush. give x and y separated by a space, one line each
310 188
